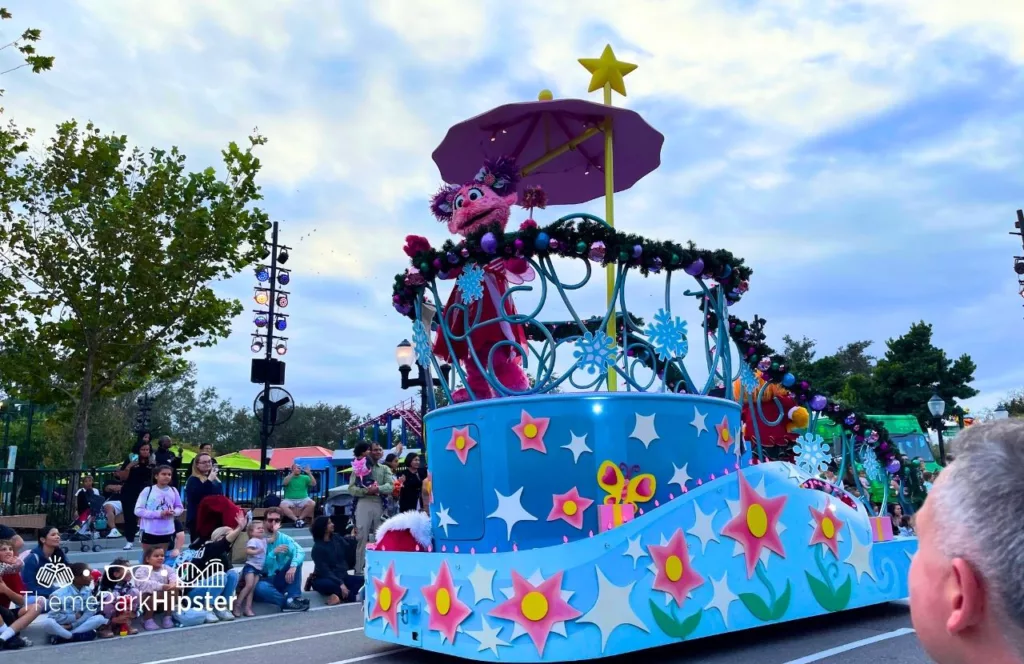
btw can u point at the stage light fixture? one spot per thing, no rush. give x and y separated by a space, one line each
257 344
262 297
260 320
283 278
282 257
282 301
281 347
262 274
281 324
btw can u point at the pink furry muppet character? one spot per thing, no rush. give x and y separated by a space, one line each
484 203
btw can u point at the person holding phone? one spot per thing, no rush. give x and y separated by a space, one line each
201 483
136 473
296 503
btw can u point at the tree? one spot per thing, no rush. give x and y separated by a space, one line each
25 45
913 369
844 375
106 260
800 354
1013 403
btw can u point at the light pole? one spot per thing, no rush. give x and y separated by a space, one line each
405 356
937 407
1001 413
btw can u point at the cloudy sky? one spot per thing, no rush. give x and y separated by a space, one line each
866 158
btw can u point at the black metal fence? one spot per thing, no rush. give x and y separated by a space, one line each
52 492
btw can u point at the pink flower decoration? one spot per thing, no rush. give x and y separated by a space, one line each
755 527
674 574
461 443
530 432
724 435
388 595
826 528
529 223
536 608
447 612
569 507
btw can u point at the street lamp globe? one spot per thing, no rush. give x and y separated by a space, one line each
404 355
937 406
1001 413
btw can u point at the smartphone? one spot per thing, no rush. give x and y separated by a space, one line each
133 457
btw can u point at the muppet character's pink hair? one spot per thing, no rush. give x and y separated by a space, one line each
501 175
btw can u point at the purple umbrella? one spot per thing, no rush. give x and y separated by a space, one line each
571 128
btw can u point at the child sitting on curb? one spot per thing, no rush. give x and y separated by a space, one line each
72 612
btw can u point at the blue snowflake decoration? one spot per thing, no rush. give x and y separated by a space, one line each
667 335
747 378
471 283
872 468
421 344
811 453
595 352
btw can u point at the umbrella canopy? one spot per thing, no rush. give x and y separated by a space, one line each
529 131
239 462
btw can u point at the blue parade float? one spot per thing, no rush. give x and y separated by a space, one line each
571 522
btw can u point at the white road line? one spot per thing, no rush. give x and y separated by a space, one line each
851 646
375 655
253 646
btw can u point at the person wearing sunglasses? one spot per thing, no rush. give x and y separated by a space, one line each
281 581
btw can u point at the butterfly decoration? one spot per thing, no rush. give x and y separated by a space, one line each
624 484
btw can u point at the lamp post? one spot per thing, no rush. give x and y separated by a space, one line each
937 407
1001 413
405 356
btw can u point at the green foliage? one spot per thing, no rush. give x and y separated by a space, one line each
828 599
761 609
1013 403
673 626
25 45
107 256
829 374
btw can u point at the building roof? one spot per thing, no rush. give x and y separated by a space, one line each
284 457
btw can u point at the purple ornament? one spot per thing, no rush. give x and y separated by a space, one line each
818 402
893 467
695 268
437 263
518 244
637 250
766 364
453 259
656 264
553 244
489 243
396 298
850 419
597 251
464 252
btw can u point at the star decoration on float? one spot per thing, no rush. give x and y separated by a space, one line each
461 443
482 581
725 439
612 609
702 527
569 507
388 594
537 579
698 422
827 527
644 430
447 612
578 446
487 637
860 558
680 476
675 575
734 511
530 432
754 528
607 70
510 510
722 597
444 519
635 551
536 608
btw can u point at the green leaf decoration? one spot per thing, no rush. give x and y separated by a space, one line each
779 609
829 600
672 627
757 606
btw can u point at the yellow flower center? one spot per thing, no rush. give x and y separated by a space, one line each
674 568
757 521
530 430
460 443
534 606
384 599
725 435
570 507
828 528
443 601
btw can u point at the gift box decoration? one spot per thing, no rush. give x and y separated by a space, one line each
881 528
615 514
625 487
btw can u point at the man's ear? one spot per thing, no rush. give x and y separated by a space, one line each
966 595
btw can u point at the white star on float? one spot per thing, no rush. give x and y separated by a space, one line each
444 519
482 581
795 473
722 597
510 510
698 421
860 559
644 429
635 551
702 528
486 636
612 609
680 476
578 446
535 580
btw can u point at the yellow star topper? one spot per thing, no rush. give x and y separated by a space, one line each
608 71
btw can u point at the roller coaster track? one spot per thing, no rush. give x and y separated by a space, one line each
405 411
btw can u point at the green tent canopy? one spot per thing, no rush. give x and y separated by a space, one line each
239 461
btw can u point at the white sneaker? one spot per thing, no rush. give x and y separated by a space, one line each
114 532
300 524
211 617
127 547
225 615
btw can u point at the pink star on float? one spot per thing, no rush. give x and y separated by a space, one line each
389 594
674 574
755 527
569 507
461 443
724 435
447 612
826 528
530 432
536 609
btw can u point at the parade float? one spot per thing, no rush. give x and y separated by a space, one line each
591 495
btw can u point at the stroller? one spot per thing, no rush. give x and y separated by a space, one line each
89 525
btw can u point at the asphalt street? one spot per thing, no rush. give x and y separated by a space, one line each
333 635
